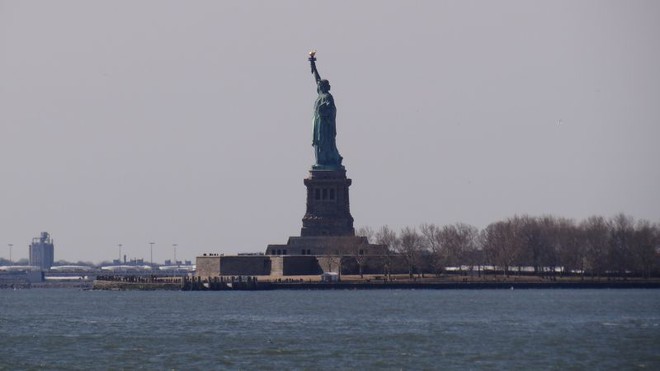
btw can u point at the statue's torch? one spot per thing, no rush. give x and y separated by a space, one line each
312 59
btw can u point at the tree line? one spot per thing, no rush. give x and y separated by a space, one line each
545 246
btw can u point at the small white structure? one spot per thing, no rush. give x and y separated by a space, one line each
71 268
330 277
126 268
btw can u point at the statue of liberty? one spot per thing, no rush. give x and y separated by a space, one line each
325 129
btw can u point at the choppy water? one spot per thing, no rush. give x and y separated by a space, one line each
422 329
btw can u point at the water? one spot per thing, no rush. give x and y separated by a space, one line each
377 329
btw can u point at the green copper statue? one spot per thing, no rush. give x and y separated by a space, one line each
325 129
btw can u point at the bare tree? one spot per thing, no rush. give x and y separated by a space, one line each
549 245
644 242
535 241
359 252
411 248
333 259
387 237
570 251
594 237
457 241
431 242
367 232
621 236
500 244
475 257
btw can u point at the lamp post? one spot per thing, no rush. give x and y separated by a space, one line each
10 246
151 253
119 257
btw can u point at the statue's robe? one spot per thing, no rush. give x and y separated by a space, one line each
325 132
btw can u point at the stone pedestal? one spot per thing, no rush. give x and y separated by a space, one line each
328 208
327 234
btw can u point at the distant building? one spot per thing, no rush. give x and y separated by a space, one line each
42 251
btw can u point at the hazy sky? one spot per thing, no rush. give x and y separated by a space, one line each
189 122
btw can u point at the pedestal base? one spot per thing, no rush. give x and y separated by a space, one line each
328 207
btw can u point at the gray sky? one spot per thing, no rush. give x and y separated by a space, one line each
189 122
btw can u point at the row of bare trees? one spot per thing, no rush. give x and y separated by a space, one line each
546 245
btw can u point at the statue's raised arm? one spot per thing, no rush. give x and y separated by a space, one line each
312 61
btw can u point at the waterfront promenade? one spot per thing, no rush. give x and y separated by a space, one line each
375 282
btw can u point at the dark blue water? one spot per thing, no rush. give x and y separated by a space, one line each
379 329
